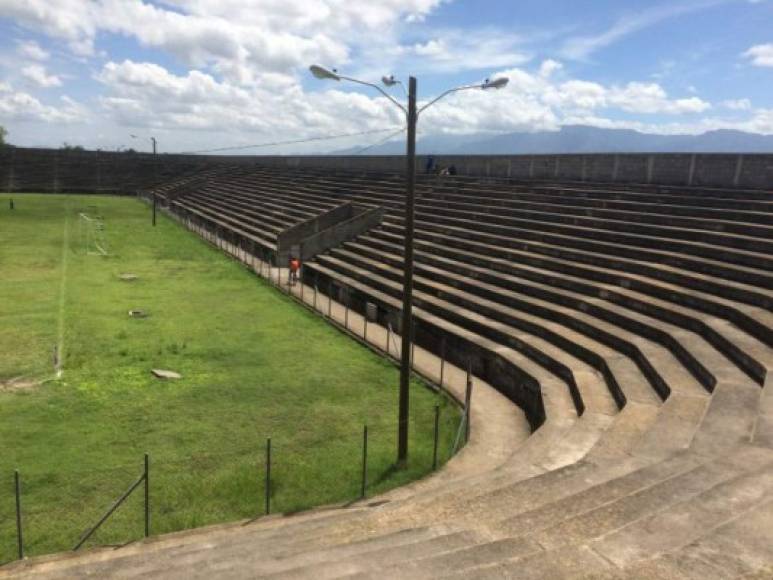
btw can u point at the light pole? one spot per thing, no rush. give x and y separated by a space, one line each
155 169
152 140
412 117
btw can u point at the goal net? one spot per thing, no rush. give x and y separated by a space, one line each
91 232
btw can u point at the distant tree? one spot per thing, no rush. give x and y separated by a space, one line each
3 135
67 147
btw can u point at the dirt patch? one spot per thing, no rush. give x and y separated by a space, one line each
17 384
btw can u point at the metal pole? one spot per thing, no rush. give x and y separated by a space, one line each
147 495
413 344
19 531
442 360
329 298
154 210
467 400
346 309
155 160
405 363
268 476
364 461
437 435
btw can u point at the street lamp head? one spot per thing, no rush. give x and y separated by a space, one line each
389 81
323 73
498 83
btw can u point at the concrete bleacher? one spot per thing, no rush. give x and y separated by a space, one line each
634 327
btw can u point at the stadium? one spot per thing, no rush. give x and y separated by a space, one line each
613 312
268 310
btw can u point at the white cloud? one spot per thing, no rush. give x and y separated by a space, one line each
147 95
650 98
760 55
459 50
237 38
37 74
582 47
548 67
737 104
18 105
32 50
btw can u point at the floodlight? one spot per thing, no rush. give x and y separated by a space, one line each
323 73
499 83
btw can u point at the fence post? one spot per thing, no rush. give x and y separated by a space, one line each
329 299
437 434
442 360
346 308
364 461
19 531
147 495
289 279
268 476
467 400
413 343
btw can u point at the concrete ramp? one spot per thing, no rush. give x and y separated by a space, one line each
326 230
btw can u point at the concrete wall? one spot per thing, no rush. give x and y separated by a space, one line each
341 232
60 171
52 170
747 171
294 234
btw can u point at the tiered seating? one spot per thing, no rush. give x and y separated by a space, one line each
641 317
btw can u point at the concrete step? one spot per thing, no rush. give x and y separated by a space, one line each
585 267
375 560
674 427
658 497
505 364
480 325
684 523
532 329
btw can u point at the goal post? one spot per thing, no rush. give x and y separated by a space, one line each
91 235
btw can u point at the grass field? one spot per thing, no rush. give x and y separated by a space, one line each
254 365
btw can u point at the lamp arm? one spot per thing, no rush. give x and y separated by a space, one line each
379 89
445 94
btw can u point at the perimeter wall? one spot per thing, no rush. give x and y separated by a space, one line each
55 170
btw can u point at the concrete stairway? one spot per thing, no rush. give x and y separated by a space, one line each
634 327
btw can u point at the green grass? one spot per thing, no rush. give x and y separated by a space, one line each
254 365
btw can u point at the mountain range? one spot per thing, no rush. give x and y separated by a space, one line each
579 139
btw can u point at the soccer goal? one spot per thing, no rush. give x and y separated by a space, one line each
91 232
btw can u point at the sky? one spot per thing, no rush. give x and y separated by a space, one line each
209 74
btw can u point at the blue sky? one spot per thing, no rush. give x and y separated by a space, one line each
201 74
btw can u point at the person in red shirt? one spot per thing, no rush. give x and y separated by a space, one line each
295 266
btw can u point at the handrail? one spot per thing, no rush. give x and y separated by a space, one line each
143 478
